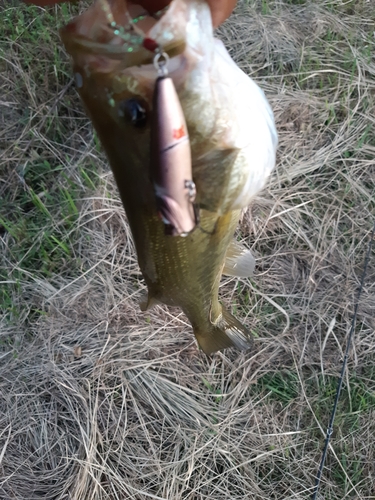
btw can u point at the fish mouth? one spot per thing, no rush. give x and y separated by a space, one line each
117 29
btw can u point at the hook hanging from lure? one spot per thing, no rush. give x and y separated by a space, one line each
171 167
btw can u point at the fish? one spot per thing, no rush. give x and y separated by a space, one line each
232 144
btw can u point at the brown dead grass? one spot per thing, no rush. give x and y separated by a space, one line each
101 401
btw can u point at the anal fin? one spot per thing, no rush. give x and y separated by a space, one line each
239 261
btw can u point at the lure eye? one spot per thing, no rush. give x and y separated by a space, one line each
134 111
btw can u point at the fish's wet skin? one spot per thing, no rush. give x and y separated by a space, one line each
183 210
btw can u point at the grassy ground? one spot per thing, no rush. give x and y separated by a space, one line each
101 401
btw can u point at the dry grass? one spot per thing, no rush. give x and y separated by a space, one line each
101 401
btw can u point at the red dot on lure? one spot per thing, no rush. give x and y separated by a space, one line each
179 132
150 44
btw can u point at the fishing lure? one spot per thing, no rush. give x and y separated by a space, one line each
170 164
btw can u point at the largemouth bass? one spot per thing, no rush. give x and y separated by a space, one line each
232 139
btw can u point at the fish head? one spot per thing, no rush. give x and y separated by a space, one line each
230 124
112 45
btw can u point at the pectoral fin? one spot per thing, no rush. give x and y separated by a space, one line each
147 303
238 261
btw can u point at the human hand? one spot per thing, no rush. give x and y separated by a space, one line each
220 9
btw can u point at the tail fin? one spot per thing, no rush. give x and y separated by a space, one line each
227 331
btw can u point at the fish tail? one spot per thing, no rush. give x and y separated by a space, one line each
225 332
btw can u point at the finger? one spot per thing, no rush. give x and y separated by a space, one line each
152 6
220 9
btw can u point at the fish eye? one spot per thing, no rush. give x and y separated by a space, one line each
134 110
